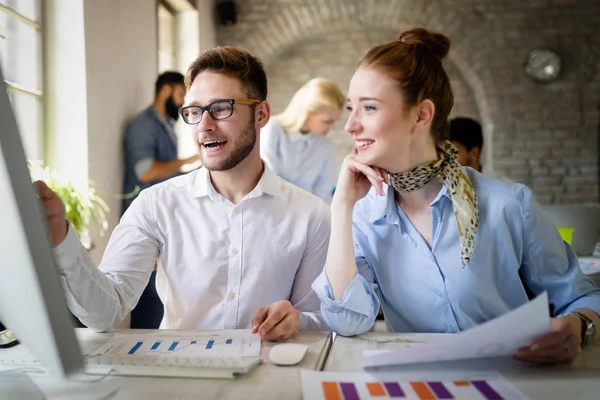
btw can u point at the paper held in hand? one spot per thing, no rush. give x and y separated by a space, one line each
499 337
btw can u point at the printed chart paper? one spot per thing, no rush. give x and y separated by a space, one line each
362 386
239 343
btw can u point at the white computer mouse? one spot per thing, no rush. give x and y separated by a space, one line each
287 353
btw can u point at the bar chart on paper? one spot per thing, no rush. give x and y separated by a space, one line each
361 386
201 344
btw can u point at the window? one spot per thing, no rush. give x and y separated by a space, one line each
21 62
167 55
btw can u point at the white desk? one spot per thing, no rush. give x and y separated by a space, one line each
266 381
578 381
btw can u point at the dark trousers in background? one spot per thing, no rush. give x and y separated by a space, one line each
149 311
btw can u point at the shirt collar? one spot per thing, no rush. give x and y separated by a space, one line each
269 183
380 207
385 206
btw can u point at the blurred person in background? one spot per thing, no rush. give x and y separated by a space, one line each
294 143
466 135
150 149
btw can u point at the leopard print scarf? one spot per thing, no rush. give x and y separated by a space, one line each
460 190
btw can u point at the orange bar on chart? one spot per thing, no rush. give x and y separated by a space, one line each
376 389
462 383
423 391
331 391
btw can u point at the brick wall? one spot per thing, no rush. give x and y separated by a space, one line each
545 136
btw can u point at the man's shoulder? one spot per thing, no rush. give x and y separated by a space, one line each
172 187
142 120
299 198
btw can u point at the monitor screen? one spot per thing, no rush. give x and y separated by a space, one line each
32 304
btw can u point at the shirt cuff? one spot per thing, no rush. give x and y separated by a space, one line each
358 296
590 301
68 253
142 166
309 321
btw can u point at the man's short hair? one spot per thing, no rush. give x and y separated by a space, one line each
467 132
235 63
168 78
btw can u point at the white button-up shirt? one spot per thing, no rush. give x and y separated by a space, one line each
218 262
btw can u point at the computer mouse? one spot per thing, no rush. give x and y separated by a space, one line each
287 353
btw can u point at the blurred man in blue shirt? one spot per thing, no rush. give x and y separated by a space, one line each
150 148
150 142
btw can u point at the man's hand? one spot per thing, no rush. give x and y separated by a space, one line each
277 321
561 346
55 213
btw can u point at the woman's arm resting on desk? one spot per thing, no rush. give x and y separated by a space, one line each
354 183
349 303
550 265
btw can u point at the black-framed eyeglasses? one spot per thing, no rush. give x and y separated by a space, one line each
218 110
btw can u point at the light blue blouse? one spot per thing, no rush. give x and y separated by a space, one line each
428 290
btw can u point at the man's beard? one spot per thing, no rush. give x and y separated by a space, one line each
172 109
244 146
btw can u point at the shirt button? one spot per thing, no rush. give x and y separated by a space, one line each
235 251
236 211
231 296
439 294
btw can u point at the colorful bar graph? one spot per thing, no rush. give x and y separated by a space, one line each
425 390
155 346
394 390
422 391
209 345
229 341
134 348
173 345
331 390
440 390
349 391
486 390
376 389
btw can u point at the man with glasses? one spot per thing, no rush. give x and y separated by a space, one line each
237 246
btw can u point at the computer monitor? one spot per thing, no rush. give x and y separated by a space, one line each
31 300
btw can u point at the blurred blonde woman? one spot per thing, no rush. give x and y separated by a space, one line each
293 143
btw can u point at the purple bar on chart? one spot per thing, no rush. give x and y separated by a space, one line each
440 390
394 389
349 391
173 346
486 390
134 348
193 342
155 346
229 341
209 345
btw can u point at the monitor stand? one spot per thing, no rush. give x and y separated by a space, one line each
27 384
